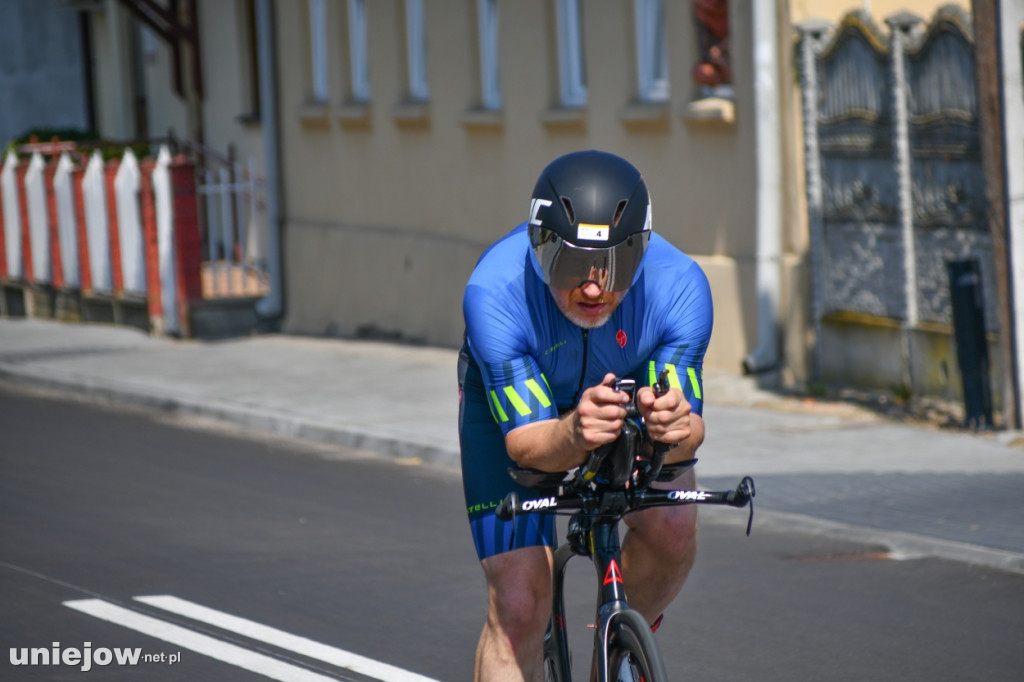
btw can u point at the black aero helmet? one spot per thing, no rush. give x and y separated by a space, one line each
590 220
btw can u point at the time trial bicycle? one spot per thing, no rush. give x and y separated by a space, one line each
614 481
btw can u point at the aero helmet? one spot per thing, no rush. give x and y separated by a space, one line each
590 220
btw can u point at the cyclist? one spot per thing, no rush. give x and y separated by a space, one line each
580 293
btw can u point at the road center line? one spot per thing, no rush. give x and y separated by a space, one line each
208 646
284 640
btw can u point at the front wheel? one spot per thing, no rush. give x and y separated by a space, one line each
551 673
632 652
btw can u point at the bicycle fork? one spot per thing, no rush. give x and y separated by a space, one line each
598 540
606 554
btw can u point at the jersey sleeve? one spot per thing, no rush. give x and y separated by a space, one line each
687 320
517 391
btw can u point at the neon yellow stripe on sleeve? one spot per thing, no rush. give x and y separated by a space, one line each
497 406
692 373
521 407
673 377
538 392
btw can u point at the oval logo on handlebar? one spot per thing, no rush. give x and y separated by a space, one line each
542 503
688 495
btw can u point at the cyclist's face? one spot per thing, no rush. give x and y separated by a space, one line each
588 305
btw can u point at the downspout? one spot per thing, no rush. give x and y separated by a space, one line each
270 307
765 357
1010 18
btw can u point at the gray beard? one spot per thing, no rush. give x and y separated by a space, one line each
585 324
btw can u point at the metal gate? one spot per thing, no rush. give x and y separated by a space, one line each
894 176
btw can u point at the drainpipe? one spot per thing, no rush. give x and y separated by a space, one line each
765 357
271 306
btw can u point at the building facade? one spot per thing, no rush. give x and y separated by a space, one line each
398 138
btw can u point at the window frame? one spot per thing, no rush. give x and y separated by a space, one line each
359 66
319 87
490 65
651 62
571 64
416 51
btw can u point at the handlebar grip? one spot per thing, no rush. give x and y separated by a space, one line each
744 493
507 509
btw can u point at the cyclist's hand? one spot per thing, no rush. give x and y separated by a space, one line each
667 417
600 414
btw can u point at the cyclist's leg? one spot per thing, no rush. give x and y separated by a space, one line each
515 556
519 608
658 552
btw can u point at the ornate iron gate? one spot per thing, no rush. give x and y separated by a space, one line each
894 177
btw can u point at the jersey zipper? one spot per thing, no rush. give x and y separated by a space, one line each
583 370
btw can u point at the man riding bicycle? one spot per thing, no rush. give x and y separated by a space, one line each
582 292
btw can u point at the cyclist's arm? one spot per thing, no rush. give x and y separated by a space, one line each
562 443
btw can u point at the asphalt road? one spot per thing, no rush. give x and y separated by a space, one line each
248 552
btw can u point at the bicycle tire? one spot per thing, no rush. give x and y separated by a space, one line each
631 640
551 670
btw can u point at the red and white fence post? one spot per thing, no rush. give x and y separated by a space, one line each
118 233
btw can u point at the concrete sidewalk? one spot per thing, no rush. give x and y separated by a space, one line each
836 470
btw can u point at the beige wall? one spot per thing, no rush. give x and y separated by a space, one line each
111 71
227 107
220 116
386 206
384 218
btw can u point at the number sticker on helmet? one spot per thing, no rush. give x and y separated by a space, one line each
595 233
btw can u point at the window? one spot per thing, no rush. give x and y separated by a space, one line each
651 51
416 48
318 47
570 53
490 81
360 72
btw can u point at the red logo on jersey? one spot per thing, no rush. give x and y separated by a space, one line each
620 336
613 574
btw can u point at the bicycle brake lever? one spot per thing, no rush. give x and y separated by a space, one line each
660 449
506 510
747 486
661 386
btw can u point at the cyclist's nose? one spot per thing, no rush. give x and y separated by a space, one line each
591 289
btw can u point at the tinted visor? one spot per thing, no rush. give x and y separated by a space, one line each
566 266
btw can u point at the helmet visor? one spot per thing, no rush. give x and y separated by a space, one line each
566 266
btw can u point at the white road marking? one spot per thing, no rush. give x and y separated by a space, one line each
208 646
284 640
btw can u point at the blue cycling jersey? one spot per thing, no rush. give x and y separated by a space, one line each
524 361
535 363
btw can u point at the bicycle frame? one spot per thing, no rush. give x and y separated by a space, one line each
603 541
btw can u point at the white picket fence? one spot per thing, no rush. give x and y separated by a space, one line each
230 212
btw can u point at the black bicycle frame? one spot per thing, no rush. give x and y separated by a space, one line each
604 548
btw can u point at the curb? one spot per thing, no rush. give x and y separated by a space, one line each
900 546
266 421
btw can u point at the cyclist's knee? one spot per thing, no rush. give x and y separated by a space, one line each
520 592
673 530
